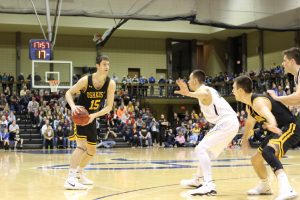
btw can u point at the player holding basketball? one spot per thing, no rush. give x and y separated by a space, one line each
94 89
291 64
218 112
283 134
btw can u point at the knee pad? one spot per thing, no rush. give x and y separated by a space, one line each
268 154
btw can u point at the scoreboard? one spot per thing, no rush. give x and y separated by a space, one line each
39 49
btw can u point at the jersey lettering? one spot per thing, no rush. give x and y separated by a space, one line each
92 95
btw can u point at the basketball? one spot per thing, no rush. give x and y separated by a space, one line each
81 118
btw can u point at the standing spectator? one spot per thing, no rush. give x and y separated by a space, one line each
32 107
170 89
163 125
29 81
4 81
151 81
161 83
154 128
20 82
134 137
11 80
124 83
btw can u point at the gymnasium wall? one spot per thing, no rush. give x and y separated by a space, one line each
252 53
214 57
274 44
7 53
146 54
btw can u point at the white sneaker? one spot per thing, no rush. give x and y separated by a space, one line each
206 189
260 189
84 180
73 184
194 182
287 195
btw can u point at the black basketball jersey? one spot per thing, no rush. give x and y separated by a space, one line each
92 98
281 113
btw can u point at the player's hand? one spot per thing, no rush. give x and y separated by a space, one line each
271 128
92 117
183 88
245 146
272 93
76 109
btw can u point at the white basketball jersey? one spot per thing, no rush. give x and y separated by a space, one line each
297 78
218 109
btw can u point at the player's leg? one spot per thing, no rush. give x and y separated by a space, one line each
260 169
85 159
274 151
91 147
72 181
210 147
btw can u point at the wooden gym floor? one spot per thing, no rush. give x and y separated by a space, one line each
133 174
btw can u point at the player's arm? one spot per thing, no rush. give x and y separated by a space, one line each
75 89
249 125
263 107
184 90
290 100
109 100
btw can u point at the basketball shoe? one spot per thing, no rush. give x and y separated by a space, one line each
83 179
286 193
206 189
261 189
194 182
73 184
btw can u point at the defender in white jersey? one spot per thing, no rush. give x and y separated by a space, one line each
218 112
291 64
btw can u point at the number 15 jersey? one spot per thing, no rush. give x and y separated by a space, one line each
93 98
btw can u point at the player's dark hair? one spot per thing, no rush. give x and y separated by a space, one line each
293 53
100 58
199 75
244 82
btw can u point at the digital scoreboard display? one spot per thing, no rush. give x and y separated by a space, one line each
39 49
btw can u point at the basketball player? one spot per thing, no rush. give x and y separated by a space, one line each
291 64
283 133
218 112
94 89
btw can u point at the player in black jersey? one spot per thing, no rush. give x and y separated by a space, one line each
291 64
94 90
283 134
